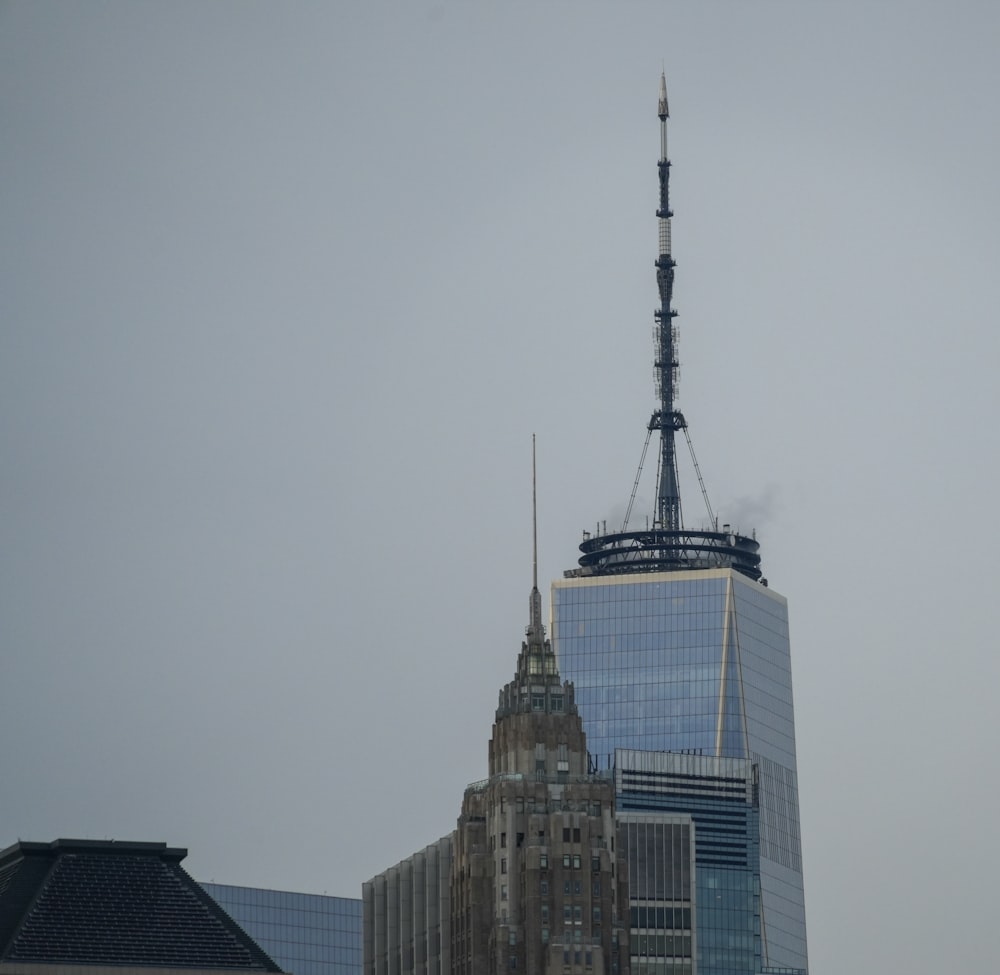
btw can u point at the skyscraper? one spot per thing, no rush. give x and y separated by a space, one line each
676 644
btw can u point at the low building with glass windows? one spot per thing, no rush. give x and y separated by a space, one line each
306 934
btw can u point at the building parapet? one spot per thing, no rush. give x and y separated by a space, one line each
545 778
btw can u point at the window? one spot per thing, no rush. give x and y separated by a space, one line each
519 803
597 888
543 887
545 914
578 914
566 860
597 913
567 913
512 938
543 861
595 809
557 703
576 834
566 834
503 892
513 961
566 887
503 839
588 959
503 865
577 888
576 861
595 864
537 702
545 936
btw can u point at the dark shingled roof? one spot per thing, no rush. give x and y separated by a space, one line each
88 902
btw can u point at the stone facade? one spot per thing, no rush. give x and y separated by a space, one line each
537 878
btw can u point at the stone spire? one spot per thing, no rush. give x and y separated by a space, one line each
536 685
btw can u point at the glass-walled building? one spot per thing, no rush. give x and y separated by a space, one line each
696 662
718 795
306 934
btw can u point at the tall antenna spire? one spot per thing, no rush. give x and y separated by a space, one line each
666 419
666 545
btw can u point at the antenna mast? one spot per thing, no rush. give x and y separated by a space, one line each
666 545
666 419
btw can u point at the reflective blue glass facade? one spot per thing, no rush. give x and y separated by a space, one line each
697 662
306 934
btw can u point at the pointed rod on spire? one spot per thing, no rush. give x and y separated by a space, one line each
534 520
536 630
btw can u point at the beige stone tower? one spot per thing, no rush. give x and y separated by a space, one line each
538 879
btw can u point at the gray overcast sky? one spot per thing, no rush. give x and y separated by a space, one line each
285 290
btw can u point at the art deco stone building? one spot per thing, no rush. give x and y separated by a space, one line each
537 880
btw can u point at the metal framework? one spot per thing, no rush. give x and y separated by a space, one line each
666 550
667 545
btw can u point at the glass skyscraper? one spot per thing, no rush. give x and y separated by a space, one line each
696 662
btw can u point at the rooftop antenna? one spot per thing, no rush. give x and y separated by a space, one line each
666 545
666 419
